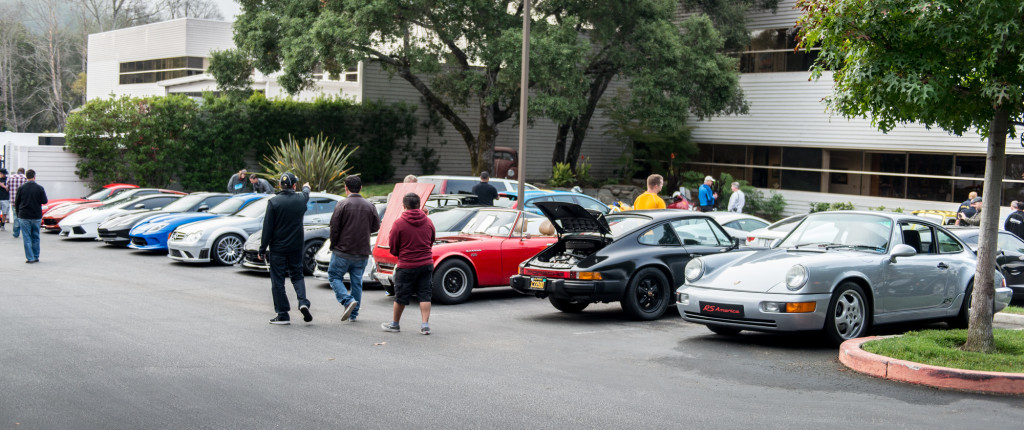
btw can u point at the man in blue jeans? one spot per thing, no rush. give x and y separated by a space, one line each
352 223
282 236
29 200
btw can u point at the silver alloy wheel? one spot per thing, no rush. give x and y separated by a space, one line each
849 314
455 281
229 249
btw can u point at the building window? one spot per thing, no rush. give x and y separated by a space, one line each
350 74
775 51
150 71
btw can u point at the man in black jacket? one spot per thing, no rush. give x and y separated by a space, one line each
352 223
485 192
1015 222
29 202
282 233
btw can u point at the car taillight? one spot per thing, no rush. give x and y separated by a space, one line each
750 239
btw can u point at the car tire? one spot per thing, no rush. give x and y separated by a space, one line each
647 296
453 282
309 256
568 306
227 249
849 314
723 330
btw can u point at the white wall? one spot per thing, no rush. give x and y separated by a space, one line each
55 169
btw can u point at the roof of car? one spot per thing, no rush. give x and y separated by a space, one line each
663 214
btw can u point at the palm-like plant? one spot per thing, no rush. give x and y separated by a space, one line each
317 161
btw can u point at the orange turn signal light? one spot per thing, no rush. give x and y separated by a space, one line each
589 276
800 307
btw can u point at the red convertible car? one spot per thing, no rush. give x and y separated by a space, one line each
108 191
486 253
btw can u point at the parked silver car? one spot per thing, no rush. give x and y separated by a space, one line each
765 237
838 272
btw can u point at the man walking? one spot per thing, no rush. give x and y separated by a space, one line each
706 195
737 200
1015 222
30 200
260 185
282 233
236 183
14 182
411 239
352 223
650 199
485 192
5 199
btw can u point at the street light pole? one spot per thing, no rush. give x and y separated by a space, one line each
524 83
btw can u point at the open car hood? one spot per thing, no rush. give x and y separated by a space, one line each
572 218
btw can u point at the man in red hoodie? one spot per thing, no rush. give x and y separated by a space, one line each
412 236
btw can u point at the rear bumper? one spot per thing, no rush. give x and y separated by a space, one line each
585 291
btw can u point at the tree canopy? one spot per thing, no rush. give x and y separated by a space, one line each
953 64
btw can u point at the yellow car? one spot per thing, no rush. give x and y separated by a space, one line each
941 217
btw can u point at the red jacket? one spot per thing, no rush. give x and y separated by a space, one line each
412 236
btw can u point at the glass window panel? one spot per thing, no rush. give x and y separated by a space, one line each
730 154
704 152
661 235
971 166
802 157
948 245
1011 191
885 186
698 231
885 162
765 178
1014 167
801 181
1009 242
962 188
766 155
930 189
931 164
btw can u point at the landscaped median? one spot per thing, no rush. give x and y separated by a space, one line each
927 358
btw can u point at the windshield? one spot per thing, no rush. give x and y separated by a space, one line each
621 224
228 207
841 230
493 223
184 204
447 220
99 195
254 210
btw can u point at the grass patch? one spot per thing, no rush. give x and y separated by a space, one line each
942 348
371 190
1013 310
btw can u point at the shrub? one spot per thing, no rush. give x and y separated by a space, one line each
561 175
316 161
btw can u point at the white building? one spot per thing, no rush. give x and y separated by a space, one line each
788 142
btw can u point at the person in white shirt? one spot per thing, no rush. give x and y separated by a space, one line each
737 200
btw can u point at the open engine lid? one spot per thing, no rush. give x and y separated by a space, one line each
573 218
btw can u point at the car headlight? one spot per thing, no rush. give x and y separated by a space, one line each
192 236
694 270
153 228
796 277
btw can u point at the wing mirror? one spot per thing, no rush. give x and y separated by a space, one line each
203 208
902 250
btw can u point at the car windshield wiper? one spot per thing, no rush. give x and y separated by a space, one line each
817 244
854 246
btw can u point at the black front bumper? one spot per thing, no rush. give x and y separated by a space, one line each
113 235
570 289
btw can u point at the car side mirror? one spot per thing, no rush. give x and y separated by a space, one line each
902 250
203 208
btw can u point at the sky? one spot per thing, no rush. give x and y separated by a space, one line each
228 8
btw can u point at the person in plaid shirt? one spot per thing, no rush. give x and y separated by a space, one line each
13 182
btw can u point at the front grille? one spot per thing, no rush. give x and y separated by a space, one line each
747 321
139 241
78 230
49 221
204 254
252 257
177 235
322 266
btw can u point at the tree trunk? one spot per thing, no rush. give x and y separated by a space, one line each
558 154
581 124
979 331
483 156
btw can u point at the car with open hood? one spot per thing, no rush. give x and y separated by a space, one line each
115 230
839 273
152 233
635 258
84 224
221 240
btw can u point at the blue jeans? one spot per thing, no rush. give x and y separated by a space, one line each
335 274
30 237
14 221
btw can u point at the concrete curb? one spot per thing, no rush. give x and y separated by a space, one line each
859 360
1005 318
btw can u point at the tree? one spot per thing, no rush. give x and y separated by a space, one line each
957 65
106 15
53 60
204 9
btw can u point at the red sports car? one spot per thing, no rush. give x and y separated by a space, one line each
54 216
486 253
108 191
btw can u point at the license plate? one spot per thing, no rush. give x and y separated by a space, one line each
383 279
721 310
537 284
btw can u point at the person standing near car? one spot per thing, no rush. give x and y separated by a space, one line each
352 223
5 199
485 192
973 220
236 183
966 207
14 182
260 185
650 199
282 234
706 195
1015 222
30 200
412 237
737 200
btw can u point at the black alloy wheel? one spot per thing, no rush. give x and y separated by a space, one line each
647 296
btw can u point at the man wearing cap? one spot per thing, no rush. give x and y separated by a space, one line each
485 192
236 183
974 220
650 199
282 234
966 205
737 200
706 195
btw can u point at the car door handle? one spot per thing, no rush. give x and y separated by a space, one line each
942 266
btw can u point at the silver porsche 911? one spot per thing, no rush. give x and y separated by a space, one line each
840 272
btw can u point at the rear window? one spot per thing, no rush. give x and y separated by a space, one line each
461 186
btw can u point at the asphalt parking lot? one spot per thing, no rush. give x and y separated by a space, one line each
98 337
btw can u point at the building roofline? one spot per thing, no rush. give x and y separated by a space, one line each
162 23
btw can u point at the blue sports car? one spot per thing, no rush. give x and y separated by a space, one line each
533 197
152 234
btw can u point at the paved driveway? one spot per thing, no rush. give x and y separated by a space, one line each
96 337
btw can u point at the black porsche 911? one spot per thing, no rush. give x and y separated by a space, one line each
636 257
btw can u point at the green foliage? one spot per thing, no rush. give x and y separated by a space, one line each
561 176
819 207
756 203
232 71
317 161
834 206
944 348
583 173
769 208
883 208
162 139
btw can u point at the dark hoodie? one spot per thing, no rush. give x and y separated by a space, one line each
411 239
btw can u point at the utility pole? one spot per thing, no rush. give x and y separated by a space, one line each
524 84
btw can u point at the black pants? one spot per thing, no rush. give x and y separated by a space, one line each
289 265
